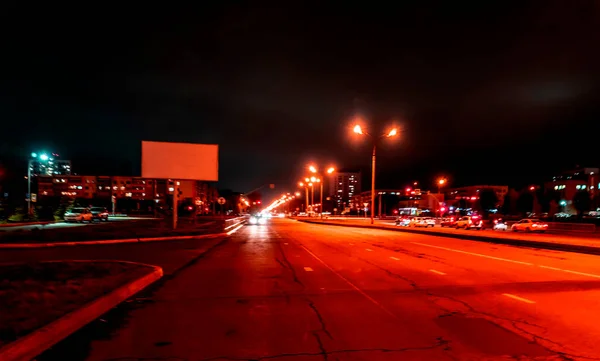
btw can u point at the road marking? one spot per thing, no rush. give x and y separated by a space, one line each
351 284
569 271
395 259
474 254
518 298
369 250
286 244
308 269
352 244
235 229
437 272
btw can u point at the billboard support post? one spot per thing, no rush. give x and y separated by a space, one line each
175 189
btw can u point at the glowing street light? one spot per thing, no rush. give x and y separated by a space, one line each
391 133
441 183
43 157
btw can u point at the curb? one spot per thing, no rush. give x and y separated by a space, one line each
507 241
20 224
33 344
106 241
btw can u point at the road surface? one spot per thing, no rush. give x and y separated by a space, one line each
294 291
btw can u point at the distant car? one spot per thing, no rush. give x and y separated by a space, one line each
422 222
530 225
500 225
403 221
448 222
78 215
257 219
99 213
470 222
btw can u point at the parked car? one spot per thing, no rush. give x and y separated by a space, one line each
448 222
530 225
422 222
78 215
500 225
470 222
99 213
403 221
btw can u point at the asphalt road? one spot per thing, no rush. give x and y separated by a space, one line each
297 291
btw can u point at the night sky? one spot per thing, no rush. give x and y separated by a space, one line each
487 92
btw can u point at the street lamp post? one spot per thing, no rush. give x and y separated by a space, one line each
321 180
358 130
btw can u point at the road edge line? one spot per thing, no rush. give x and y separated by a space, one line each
28 347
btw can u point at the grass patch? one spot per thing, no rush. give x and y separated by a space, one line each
35 294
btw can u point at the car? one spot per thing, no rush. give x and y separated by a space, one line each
403 221
448 222
78 214
530 225
500 225
99 213
257 219
422 222
470 222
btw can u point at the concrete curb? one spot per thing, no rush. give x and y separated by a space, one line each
20 224
470 237
28 347
106 241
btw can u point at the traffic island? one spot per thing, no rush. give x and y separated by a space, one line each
42 303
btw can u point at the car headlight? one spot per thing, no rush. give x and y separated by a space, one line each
253 220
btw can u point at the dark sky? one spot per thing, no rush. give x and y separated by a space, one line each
494 92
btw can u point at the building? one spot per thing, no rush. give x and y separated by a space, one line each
568 183
134 188
50 165
390 202
471 193
343 186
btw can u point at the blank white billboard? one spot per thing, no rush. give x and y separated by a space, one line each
166 160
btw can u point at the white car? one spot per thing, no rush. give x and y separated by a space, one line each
500 226
529 225
422 222
78 215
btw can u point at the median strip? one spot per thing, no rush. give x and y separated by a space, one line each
48 301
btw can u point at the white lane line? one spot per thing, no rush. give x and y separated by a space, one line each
352 285
286 244
234 230
569 271
518 298
437 272
395 259
308 269
474 254
368 250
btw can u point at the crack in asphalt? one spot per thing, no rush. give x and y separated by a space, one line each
286 264
321 347
440 342
320 317
471 310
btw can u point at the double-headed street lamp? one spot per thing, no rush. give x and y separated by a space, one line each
392 133
329 170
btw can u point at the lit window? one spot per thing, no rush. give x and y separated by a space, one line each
128 194
171 189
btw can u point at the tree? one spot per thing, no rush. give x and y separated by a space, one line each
525 202
582 202
487 200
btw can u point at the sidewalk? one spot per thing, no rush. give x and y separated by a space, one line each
589 244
